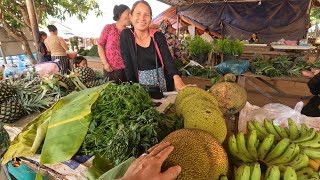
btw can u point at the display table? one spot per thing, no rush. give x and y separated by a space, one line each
247 78
292 47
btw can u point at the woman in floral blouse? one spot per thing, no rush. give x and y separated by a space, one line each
109 45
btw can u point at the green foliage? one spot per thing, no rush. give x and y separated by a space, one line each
93 51
199 71
228 46
198 46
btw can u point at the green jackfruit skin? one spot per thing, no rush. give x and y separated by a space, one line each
199 154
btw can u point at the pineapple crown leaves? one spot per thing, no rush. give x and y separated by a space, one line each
35 103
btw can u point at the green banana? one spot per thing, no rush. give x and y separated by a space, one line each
278 150
255 172
312 153
251 128
233 149
241 143
306 137
243 173
270 128
265 146
291 152
299 162
313 143
272 173
257 144
303 129
307 171
260 128
293 129
251 144
290 174
281 131
287 131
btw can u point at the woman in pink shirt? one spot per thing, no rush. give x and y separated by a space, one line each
109 44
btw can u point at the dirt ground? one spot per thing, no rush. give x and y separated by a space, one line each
254 97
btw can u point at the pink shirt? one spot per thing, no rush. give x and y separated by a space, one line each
110 39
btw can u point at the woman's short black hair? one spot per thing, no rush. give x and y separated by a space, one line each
52 28
78 60
143 2
118 10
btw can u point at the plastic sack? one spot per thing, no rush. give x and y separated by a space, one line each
10 71
236 67
47 68
279 113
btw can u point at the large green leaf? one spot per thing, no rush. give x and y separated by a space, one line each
29 140
68 125
99 166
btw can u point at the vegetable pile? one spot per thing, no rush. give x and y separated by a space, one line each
124 124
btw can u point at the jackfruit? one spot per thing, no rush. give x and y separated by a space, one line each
199 154
231 97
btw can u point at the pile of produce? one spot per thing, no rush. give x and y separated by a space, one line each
198 153
125 123
231 97
276 152
279 66
200 110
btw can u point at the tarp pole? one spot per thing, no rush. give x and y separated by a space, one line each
34 25
178 29
4 57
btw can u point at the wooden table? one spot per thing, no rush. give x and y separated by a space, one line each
246 78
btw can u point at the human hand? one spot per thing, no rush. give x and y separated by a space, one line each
148 166
107 67
178 83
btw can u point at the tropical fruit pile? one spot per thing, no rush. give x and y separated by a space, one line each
200 110
285 152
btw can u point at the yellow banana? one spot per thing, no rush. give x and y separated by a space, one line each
241 143
233 149
272 173
251 144
290 174
306 137
243 173
317 160
270 128
313 164
303 129
256 172
314 143
278 150
312 153
280 130
291 152
307 171
293 129
265 146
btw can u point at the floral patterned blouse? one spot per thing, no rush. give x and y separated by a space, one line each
110 39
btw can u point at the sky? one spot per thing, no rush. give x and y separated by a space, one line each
93 25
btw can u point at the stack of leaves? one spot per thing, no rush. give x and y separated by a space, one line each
124 124
279 66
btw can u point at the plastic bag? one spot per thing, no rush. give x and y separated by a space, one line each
279 113
47 68
236 67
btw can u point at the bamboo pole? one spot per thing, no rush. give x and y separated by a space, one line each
34 24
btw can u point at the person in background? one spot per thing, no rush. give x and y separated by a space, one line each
172 39
43 51
146 54
206 36
58 48
109 44
254 38
80 61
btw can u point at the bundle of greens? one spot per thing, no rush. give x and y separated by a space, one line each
124 124
198 71
279 66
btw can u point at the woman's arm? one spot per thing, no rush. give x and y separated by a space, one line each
126 56
101 48
63 44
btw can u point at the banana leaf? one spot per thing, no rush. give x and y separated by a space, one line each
63 127
68 125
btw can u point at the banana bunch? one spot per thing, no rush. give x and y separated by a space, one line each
307 173
245 172
314 164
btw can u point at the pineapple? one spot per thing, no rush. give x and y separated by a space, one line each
6 91
11 111
4 140
94 83
85 74
66 81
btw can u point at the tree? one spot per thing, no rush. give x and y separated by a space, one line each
14 16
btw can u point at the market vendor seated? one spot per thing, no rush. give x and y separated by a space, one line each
254 38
